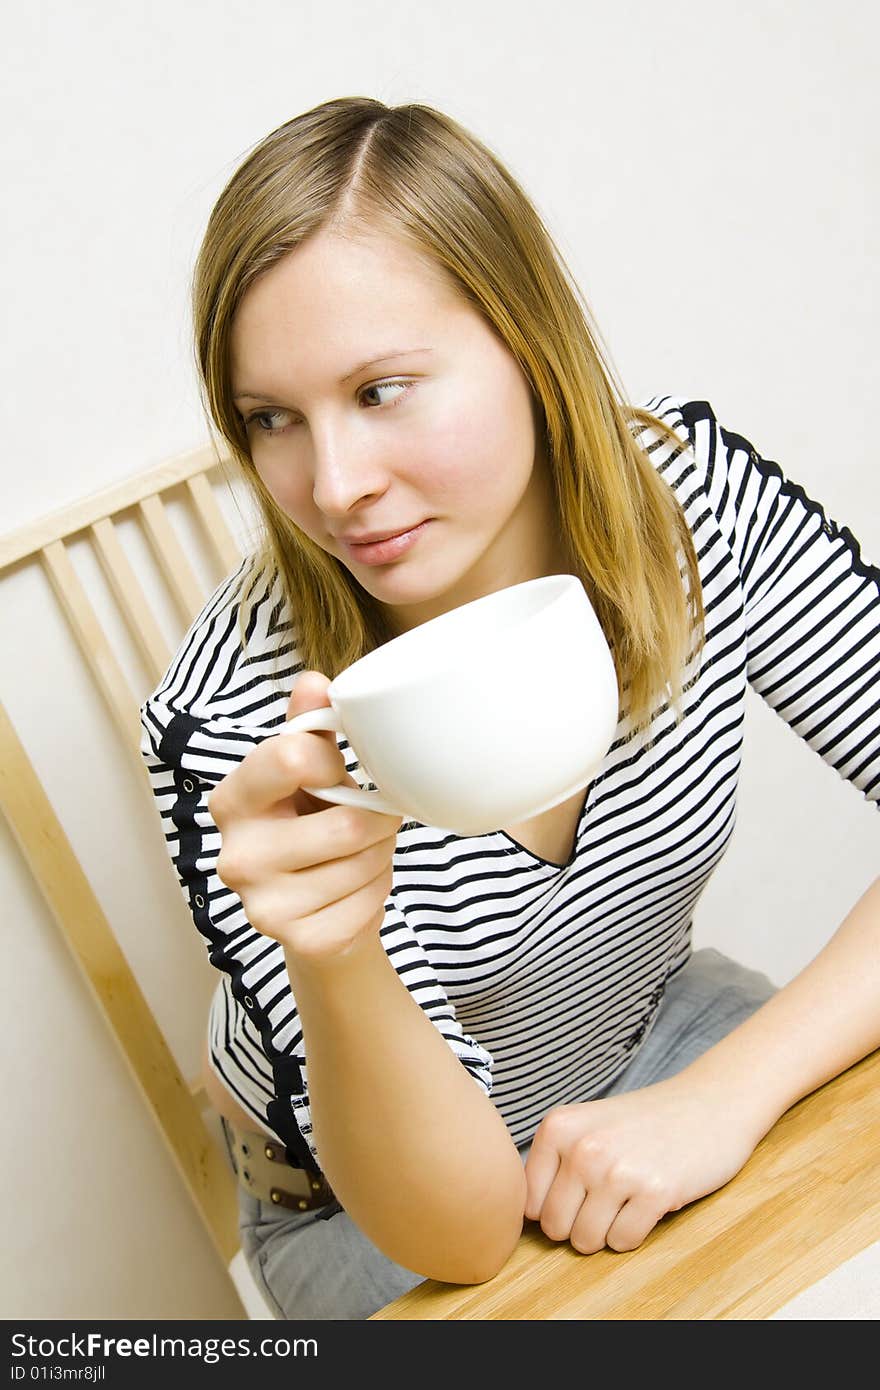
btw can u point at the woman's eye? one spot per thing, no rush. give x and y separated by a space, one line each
259 417
401 386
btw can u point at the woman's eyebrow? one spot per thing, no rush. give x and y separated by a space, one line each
371 362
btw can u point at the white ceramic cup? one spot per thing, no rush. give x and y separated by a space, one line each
482 717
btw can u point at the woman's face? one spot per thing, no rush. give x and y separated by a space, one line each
378 402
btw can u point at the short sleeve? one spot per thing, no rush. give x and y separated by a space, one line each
811 601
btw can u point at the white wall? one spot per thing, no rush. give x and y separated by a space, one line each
709 171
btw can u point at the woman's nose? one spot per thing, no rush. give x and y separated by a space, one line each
345 470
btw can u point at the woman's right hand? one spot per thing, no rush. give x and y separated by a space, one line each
313 876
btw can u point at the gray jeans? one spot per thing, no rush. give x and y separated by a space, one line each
309 1268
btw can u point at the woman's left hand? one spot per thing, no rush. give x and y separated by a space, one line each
604 1172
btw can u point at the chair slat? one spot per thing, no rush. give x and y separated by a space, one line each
176 568
88 935
216 529
131 598
96 647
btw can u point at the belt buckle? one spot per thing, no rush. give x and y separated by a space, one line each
319 1193
253 1157
319 1196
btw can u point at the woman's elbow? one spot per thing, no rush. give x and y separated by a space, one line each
488 1248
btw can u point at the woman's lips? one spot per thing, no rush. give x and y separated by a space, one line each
380 552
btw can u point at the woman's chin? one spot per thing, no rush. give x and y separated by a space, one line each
413 599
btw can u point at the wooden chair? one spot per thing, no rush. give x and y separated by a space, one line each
156 515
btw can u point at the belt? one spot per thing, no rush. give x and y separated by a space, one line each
261 1166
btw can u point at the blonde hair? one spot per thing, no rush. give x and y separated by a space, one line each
416 173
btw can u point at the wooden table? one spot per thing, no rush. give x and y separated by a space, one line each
807 1200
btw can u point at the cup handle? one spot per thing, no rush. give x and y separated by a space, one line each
315 720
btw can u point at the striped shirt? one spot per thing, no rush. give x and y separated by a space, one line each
544 979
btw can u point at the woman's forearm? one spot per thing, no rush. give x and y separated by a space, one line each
415 1151
823 1021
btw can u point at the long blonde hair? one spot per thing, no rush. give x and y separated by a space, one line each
413 171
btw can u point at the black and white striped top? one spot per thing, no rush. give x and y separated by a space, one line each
543 978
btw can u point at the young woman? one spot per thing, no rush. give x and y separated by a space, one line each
418 1039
